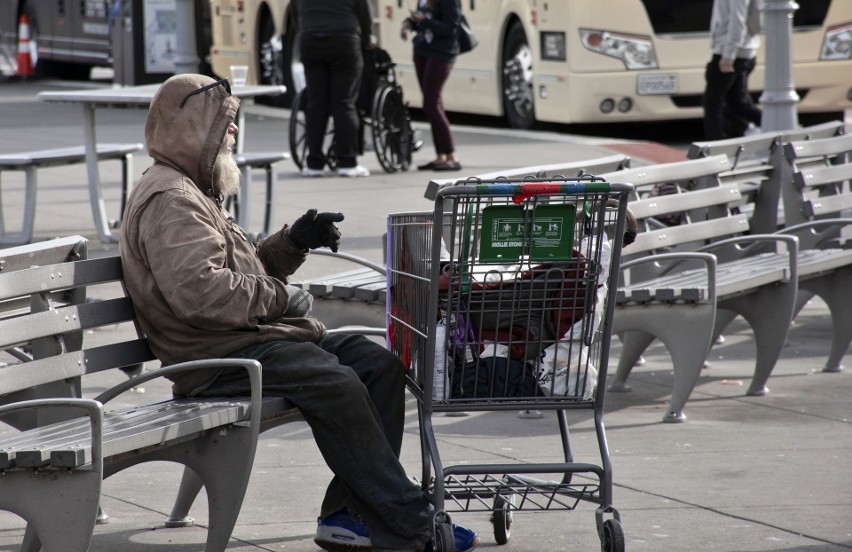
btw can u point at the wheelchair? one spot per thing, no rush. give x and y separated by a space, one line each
381 109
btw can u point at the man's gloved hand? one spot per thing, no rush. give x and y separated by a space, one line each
300 302
313 230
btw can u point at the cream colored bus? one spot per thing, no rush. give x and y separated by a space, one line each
562 61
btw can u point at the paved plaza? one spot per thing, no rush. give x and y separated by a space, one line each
742 473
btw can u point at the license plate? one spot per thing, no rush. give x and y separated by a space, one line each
650 84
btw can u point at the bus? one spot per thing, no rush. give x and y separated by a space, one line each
70 37
560 61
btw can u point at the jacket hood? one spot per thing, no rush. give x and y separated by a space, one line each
189 137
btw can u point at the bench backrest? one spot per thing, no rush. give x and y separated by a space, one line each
677 205
760 170
44 315
820 185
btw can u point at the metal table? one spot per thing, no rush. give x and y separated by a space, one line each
131 96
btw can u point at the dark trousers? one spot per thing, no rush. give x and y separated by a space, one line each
351 392
333 64
432 73
728 108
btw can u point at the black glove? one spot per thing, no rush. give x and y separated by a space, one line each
313 230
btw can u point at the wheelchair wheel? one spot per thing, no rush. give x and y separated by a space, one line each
297 135
299 138
391 130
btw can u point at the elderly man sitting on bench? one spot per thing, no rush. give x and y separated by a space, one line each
202 290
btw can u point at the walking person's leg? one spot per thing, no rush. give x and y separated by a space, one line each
432 74
738 100
317 107
715 92
345 83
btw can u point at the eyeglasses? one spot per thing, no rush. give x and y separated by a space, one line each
203 89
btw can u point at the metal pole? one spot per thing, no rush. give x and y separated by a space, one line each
779 96
185 59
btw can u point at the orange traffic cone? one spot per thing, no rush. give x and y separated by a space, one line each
25 60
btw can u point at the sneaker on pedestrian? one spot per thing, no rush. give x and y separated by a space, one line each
342 532
311 173
466 540
355 171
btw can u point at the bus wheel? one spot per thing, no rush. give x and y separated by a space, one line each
517 79
270 59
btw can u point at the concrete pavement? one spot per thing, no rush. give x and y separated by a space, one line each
742 474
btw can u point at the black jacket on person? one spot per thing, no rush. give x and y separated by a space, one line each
334 16
438 34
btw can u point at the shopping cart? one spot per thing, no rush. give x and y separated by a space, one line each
498 301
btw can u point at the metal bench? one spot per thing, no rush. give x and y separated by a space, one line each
791 180
31 162
818 207
53 467
673 283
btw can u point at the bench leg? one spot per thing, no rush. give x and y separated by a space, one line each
684 330
53 525
126 182
835 290
26 233
769 312
222 460
190 486
245 197
267 212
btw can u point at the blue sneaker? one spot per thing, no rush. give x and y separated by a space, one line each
466 540
342 532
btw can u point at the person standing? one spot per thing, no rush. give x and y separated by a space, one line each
333 35
436 45
728 108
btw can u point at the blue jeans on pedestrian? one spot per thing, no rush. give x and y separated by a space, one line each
351 392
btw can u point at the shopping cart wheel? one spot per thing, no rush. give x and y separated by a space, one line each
612 537
502 518
444 538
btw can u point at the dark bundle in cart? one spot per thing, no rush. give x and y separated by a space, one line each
499 300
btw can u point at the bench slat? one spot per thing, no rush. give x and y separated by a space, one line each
65 156
55 277
697 231
17 377
132 430
676 203
65 319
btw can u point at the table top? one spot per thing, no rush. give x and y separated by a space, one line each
142 95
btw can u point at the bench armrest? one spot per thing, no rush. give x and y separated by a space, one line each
755 241
93 408
354 258
824 225
708 259
253 368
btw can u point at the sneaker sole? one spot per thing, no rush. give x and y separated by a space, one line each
331 546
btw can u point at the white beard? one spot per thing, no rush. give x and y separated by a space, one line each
226 174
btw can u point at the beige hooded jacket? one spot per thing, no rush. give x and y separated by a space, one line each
199 287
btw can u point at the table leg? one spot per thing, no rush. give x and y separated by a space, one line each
95 195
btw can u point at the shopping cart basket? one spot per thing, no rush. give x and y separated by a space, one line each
498 301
